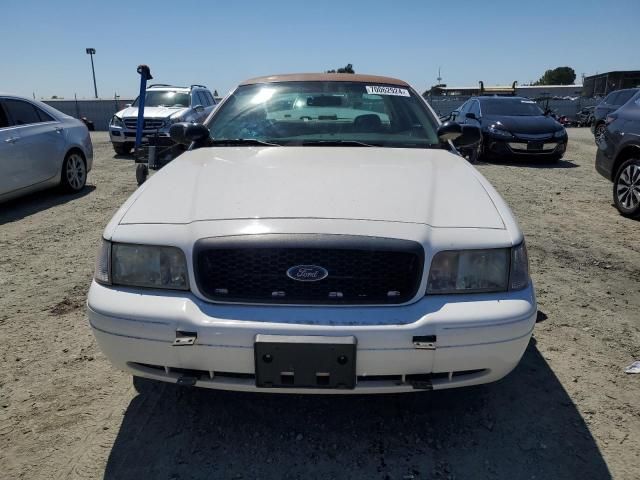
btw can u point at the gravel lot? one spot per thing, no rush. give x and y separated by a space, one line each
567 411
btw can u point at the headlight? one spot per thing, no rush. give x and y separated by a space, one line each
116 122
172 120
496 130
475 271
142 266
560 133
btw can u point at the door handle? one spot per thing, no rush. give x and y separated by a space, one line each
12 139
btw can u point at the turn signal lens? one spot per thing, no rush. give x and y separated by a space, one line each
103 263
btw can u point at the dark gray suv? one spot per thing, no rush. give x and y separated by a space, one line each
612 102
618 157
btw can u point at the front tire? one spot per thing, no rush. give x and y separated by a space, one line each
626 188
142 172
74 172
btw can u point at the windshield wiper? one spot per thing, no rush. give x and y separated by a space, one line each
243 141
336 143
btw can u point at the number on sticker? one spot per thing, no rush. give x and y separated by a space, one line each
380 90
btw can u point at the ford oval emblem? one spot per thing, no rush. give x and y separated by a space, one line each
307 273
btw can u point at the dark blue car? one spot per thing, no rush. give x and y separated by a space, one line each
512 128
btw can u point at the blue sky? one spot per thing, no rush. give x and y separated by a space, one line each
221 43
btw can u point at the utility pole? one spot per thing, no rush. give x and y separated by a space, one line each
91 52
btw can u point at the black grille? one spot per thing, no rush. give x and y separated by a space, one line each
361 270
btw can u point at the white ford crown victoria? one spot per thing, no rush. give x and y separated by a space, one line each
321 235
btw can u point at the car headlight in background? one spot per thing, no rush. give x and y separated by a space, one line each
500 132
560 133
116 122
478 271
148 266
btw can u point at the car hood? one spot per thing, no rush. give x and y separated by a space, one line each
433 187
151 112
523 124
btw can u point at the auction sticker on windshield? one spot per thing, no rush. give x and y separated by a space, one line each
378 90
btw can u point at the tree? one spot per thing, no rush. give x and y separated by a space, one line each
557 76
347 69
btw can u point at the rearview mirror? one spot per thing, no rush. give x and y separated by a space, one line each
471 115
185 133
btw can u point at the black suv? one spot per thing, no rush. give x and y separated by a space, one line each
618 157
612 102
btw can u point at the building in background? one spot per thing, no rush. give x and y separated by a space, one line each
601 84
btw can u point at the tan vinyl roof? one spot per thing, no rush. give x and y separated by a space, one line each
325 77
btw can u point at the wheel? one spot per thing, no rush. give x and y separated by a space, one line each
122 148
142 172
626 188
74 172
599 133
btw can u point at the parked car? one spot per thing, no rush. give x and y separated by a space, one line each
164 106
304 251
618 156
611 103
40 147
512 127
584 117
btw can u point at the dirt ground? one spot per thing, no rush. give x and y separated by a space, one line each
567 411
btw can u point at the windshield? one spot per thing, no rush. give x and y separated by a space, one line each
325 113
511 107
164 99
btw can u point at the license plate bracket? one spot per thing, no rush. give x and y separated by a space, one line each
535 145
321 362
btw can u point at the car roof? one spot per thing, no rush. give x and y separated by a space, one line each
325 77
167 87
496 97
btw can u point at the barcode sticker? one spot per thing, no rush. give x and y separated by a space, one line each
379 90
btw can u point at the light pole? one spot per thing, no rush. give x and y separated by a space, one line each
91 52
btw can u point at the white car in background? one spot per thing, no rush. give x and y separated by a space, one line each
164 106
40 147
312 250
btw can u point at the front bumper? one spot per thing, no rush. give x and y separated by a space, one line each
159 137
478 338
524 147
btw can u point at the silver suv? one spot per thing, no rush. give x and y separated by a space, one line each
164 106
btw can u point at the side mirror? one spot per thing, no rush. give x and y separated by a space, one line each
127 105
449 131
199 108
460 135
471 135
471 115
185 133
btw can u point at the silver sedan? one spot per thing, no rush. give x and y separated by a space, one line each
40 147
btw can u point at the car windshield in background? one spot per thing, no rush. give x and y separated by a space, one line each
326 114
511 107
165 99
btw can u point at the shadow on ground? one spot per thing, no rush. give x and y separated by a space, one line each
28 205
525 426
531 164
